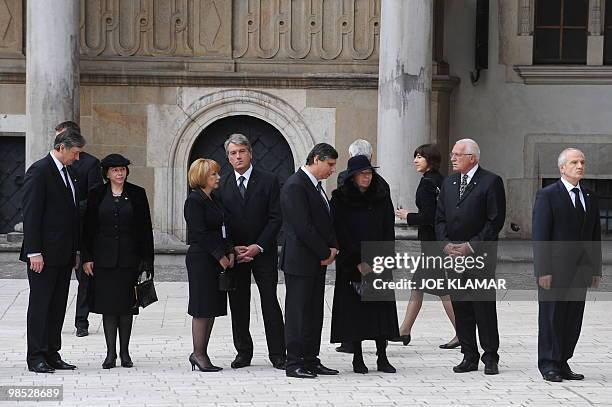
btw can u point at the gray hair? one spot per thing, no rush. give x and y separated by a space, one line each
471 147
562 160
360 147
69 138
239 140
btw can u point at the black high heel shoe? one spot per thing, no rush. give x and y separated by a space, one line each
194 362
109 362
404 339
451 345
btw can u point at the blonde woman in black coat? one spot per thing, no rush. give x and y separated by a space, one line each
210 252
117 245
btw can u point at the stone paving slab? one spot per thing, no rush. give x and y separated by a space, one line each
162 376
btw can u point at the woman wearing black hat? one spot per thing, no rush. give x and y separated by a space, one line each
362 212
427 160
117 244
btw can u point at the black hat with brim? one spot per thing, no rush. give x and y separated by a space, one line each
114 160
357 164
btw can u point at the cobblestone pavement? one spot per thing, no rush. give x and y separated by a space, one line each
161 343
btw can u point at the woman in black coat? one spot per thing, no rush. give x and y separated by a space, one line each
362 212
427 160
210 253
117 245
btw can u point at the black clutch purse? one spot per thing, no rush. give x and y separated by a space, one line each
145 290
226 281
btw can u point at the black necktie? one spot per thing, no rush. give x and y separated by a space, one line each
322 193
65 173
578 204
241 187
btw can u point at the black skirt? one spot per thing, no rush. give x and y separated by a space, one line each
205 299
111 291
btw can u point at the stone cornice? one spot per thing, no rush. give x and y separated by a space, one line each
440 83
565 74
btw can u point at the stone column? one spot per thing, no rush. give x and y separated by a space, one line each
52 71
404 93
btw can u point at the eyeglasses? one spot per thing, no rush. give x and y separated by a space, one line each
451 155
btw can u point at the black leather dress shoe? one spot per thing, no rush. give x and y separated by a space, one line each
465 366
569 375
279 363
300 373
322 370
41 367
491 368
552 376
240 361
80 332
59 364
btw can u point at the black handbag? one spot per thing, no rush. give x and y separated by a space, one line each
145 290
226 281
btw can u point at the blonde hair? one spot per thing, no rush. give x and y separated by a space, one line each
200 170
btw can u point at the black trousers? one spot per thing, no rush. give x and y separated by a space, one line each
304 319
46 312
82 308
559 325
266 278
481 315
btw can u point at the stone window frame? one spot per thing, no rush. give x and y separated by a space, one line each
593 73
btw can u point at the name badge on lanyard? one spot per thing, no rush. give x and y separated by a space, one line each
223 233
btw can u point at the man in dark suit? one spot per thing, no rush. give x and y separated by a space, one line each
470 213
251 198
309 247
567 259
50 248
87 170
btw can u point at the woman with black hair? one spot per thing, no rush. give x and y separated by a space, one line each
117 246
427 161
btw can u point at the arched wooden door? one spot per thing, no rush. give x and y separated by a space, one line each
270 149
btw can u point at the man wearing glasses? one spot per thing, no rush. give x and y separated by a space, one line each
470 213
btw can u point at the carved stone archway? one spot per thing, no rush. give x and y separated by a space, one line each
200 114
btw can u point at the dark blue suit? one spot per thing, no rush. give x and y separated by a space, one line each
308 235
476 217
571 253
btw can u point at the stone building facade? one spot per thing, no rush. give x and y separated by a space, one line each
153 77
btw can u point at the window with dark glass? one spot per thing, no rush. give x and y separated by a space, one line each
608 33
560 32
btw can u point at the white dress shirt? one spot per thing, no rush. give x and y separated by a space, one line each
569 188
246 175
470 174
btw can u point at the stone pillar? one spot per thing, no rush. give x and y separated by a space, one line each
52 71
404 93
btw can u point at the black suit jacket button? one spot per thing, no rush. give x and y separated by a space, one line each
116 237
